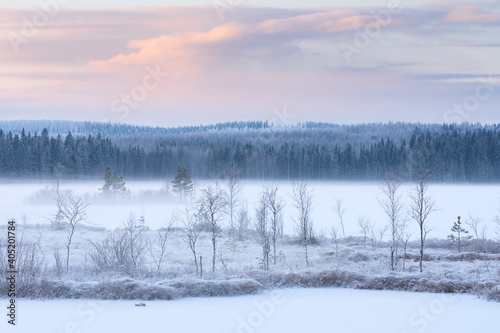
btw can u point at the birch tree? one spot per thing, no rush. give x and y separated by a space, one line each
393 208
302 201
158 247
275 205
340 211
72 210
193 225
263 230
234 190
212 208
421 206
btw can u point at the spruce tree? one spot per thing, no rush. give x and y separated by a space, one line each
182 184
457 228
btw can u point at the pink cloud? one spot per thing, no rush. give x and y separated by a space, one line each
266 57
472 14
194 51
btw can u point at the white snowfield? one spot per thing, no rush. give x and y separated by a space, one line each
286 310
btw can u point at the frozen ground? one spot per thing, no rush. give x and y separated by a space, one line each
288 310
481 201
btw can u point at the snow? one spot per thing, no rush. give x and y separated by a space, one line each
481 201
287 310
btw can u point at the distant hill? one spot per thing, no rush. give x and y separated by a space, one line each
258 150
62 127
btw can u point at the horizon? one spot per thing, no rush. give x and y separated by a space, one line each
211 62
270 124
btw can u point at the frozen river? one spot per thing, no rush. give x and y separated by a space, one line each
287 311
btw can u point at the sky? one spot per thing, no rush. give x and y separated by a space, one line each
173 63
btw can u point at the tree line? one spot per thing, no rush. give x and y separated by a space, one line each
312 151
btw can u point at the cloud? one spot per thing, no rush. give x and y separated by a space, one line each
259 59
472 14
195 51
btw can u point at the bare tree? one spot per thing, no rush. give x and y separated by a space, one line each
58 267
274 204
234 190
404 237
213 207
302 201
73 210
243 221
263 229
393 208
134 241
377 234
340 211
473 223
334 233
30 266
112 253
421 206
57 221
191 231
158 249
366 227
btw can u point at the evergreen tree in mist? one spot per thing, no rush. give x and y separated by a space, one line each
113 184
182 184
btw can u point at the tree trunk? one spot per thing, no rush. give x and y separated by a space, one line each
404 259
274 248
201 267
195 262
213 258
421 248
67 258
307 256
392 258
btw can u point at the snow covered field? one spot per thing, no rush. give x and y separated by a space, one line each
348 263
287 310
481 201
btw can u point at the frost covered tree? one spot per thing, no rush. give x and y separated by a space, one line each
158 247
213 206
243 222
421 206
182 184
393 208
459 231
135 241
404 236
234 190
340 211
193 225
479 231
263 232
302 201
366 227
274 204
72 210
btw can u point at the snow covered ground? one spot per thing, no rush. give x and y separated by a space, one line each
481 201
285 310
281 310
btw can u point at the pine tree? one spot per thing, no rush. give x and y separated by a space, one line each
457 228
107 177
113 184
182 184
